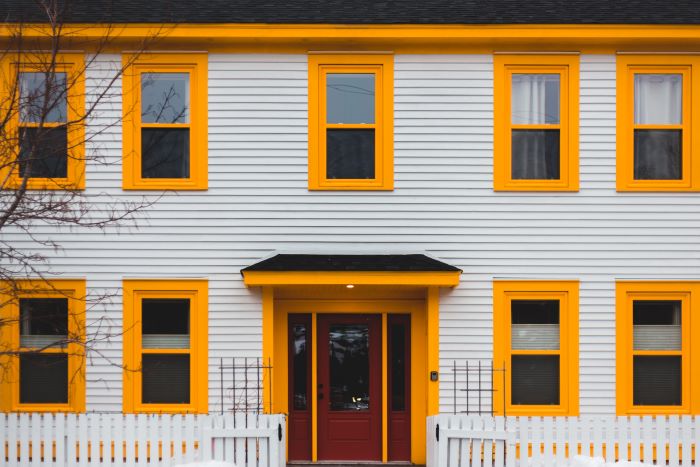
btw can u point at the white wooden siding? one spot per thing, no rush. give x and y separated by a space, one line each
443 204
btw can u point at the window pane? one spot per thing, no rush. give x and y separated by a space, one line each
535 380
658 155
535 155
535 324
657 380
535 99
165 97
349 98
657 324
350 154
43 152
397 363
42 95
165 323
43 379
43 322
658 99
165 379
349 367
300 366
165 153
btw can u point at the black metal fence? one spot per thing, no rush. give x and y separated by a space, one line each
241 384
473 389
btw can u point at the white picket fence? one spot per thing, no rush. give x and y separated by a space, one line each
466 441
95 439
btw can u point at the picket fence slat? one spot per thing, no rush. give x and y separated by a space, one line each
155 440
473 441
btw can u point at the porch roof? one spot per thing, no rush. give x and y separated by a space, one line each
312 269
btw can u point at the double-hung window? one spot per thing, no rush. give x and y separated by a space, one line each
165 122
536 343
46 107
351 122
654 347
655 124
536 122
165 346
44 329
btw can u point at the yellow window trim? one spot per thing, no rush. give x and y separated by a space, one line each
567 67
689 295
75 291
197 291
73 64
196 65
382 66
627 67
567 292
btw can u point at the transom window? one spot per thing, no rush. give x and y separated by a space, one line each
536 135
165 145
350 122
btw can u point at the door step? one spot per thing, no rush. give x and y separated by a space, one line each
349 464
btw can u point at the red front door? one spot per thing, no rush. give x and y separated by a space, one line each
349 387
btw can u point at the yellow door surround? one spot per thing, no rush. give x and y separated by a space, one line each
384 293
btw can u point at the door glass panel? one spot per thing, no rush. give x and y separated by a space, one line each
397 364
349 366
300 370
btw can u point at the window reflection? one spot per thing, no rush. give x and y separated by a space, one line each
349 367
300 369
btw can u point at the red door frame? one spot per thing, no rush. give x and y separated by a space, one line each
362 444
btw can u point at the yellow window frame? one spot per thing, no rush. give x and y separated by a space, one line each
195 64
382 66
75 291
627 67
197 291
73 64
567 67
689 295
567 292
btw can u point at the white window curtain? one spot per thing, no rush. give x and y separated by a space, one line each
658 99
535 99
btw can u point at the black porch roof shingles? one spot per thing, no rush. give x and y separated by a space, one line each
350 263
466 12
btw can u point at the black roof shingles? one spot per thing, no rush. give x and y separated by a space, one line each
362 11
352 263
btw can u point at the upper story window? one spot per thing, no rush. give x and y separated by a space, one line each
165 346
536 338
165 122
46 106
654 117
536 123
45 325
351 122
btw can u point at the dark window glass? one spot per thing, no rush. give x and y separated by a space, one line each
165 315
165 153
43 152
43 379
350 154
535 379
300 369
658 155
165 379
44 316
165 97
397 365
535 155
43 97
349 367
657 380
349 98
535 311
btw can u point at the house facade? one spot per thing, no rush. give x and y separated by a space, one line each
364 204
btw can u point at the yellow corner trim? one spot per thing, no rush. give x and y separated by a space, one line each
264 278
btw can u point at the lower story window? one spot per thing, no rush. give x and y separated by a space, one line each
165 345
536 342
45 331
654 348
